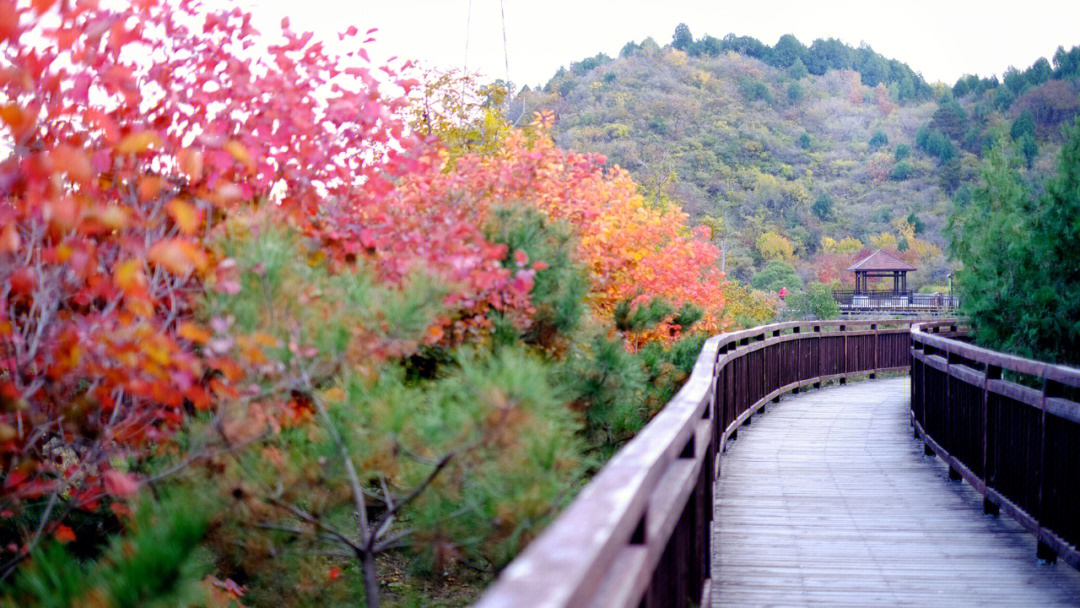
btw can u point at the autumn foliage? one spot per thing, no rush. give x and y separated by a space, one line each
217 236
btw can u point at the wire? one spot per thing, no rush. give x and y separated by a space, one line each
465 64
468 27
506 55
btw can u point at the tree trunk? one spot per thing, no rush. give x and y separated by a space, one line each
371 580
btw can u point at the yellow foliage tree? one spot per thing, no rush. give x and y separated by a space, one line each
464 115
921 248
774 246
675 57
844 246
885 240
745 307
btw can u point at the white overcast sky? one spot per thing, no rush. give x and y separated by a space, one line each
942 39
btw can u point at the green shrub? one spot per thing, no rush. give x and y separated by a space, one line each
794 91
878 139
755 90
823 207
901 171
559 291
776 275
816 302
156 563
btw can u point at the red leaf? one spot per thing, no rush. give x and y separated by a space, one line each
23 281
178 256
9 20
186 216
16 478
138 142
122 485
9 239
64 534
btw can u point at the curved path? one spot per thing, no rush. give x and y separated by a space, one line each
827 500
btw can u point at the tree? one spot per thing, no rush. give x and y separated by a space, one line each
902 152
798 70
753 89
878 139
708 46
1039 72
917 224
935 143
816 302
804 141
950 118
846 246
823 206
682 39
777 274
1029 149
884 240
787 51
774 246
950 173
1007 237
1023 124
794 91
1051 104
901 171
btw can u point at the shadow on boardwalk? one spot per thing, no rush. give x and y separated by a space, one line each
827 500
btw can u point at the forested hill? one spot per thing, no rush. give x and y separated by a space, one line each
803 154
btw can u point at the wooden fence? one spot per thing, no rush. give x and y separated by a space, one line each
638 533
1017 445
890 300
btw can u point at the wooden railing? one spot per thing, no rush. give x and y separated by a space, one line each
888 299
638 533
1017 445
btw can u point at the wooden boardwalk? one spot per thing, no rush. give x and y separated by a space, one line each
827 500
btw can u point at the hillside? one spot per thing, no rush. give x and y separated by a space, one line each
781 154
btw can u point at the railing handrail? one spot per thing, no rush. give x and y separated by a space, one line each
609 521
1069 376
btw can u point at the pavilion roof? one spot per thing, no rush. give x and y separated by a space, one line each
881 261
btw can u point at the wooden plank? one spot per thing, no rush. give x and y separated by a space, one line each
828 500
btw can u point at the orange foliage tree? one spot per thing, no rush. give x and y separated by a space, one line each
633 250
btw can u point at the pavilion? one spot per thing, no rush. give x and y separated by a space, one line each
881 264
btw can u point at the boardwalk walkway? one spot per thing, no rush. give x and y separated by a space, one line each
827 500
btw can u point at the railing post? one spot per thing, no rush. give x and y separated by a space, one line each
947 413
877 347
774 374
798 376
916 405
843 356
1043 551
993 372
820 357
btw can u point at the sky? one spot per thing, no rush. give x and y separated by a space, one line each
942 39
